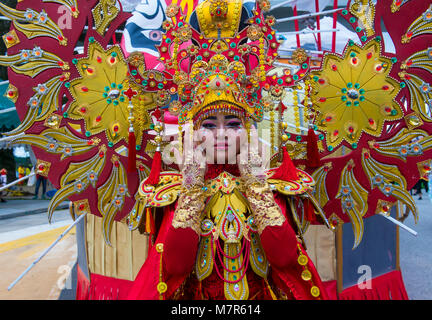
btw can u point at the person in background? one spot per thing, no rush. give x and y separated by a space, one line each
3 182
21 174
40 179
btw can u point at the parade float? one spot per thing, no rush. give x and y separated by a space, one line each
98 110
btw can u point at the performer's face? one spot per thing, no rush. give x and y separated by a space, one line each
223 136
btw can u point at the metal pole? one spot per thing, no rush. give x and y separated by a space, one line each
17 181
308 15
282 4
400 224
46 251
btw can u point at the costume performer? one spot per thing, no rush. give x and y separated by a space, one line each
225 233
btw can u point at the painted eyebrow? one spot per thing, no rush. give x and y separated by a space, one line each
231 117
211 118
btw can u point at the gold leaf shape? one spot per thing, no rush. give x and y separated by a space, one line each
388 179
320 190
420 94
77 178
403 144
111 197
421 26
354 201
71 4
33 24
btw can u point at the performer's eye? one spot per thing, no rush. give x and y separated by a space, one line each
208 125
234 124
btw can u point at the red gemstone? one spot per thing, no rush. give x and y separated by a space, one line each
409 62
81 207
376 145
99 59
117 164
369 55
385 88
409 34
328 119
41 167
60 38
322 99
112 60
398 2
351 129
90 70
98 118
9 38
116 128
101 154
371 121
84 89
385 208
354 60
321 81
60 63
379 68
387 109
73 9
83 110
334 67
366 155
335 133
10 93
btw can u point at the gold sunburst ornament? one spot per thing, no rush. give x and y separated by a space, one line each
354 94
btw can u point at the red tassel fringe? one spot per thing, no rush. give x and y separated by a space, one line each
132 153
287 171
153 177
313 158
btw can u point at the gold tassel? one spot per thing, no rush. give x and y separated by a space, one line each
270 290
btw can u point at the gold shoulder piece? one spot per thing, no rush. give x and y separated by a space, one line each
161 195
305 183
164 193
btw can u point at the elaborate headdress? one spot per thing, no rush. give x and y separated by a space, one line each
220 64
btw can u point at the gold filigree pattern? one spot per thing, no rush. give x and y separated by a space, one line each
190 209
320 190
364 10
353 200
420 94
103 14
388 179
70 4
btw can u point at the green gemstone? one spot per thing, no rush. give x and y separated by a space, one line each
394 59
180 24
363 38
349 85
65 115
113 85
88 134
236 58
92 39
110 144
122 99
354 145
168 40
378 38
352 54
344 98
67 84
233 45
362 91
114 54
348 103
105 95
115 102
109 101
145 82
160 85
357 86
199 58
402 84
134 72
298 138
352 20
295 77
258 20
344 12
205 46
393 112
356 103
351 43
269 36
362 98
321 137
305 66
152 126
344 90
120 86
107 88
137 148
330 148
358 29
74 61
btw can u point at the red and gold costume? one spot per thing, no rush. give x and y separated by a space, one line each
233 235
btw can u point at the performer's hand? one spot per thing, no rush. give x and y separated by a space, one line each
250 160
193 164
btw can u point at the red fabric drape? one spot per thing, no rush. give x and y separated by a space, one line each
388 286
